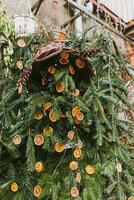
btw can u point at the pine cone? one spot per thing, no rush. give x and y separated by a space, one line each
90 52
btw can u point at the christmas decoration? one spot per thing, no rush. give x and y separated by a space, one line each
69 94
59 147
90 169
39 167
37 191
19 64
38 140
48 131
14 187
17 139
73 165
71 135
47 105
131 198
74 192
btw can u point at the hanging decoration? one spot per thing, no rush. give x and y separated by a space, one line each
24 21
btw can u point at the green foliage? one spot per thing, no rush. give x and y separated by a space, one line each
100 130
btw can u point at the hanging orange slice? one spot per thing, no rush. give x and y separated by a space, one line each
77 153
38 115
37 191
71 135
59 147
48 131
90 169
75 111
63 115
131 198
78 178
19 64
39 140
39 167
80 116
47 105
21 43
76 121
17 139
73 165
63 61
80 63
51 70
64 54
14 187
74 192
60 87
71 69
76 92
53 116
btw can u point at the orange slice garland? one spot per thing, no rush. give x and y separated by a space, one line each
17 139
71 70
47 105
14 187
77 153
48 131
73 165
60 87
71 135
63 61
64 54
59 147
39 167
53 116
80 63
75 111
39 139
74 192
37 191
90 169
51 70
38 115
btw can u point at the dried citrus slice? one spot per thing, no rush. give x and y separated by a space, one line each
59 147
63 61
37 191
70 135
39 139
48 131
80 63
39 167
64 54
47 105
53 116
77 153
74 192
38 115
17 139
51 70
14 187
90 169
75 111
60 87
73 165
71 69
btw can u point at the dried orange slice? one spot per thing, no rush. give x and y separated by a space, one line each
51 70
37 191
17 139
39 167
48 131
76 92
63 115
77 153
47 105
76 121
53 116
63 61
59 147
75 111
14 187
73 165
71 69
80 63
90 169
60 87
80 116
74 192
71 135
20 64
78 178
64 54
39 140
38 115
21 43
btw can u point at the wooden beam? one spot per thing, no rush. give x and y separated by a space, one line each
71 20
90 15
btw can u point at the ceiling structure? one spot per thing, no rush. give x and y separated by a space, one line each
123 8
